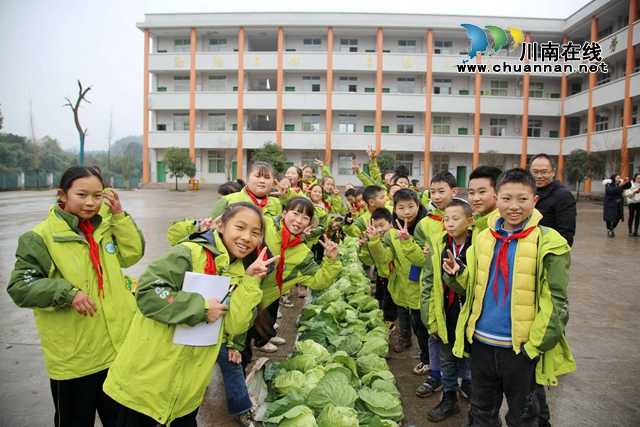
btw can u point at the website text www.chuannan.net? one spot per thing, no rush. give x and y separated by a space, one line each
507 68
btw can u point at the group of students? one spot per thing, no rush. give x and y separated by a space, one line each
482 285
108 348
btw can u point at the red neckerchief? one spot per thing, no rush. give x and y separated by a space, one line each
502 263
94 252
286 236
356 206
438 218
210 267
326 205
297 190
456 249
261 204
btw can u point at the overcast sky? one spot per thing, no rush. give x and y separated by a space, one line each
47 45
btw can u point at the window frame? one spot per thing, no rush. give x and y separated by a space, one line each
182 86
348 45
185 123
347 123
313 122
405 159
443 49
348 86
309 83
442 81
312 47
405 87
405 124
218 79
602 123
536 89
218 157
407 47
344 163
185 45
221 47
534 128
498 126
221 124
440 124
499 89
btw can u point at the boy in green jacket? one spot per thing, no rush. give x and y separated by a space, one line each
517 307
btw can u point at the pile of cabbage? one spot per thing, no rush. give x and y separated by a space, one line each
338 375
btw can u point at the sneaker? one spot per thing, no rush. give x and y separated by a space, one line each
422 369
465 390
276 326
279 316
284 301
278 341
390 325
302 291
268 348
402 345
430 386
247 419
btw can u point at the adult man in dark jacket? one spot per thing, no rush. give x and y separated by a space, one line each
556 204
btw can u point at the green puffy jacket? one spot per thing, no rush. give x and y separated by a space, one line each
405 292
543 335
299 266
152 375
271 210
52 264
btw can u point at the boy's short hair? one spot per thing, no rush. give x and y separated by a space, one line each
359 191
543 156
404 194
415 181
397 177
466 207
371 192
382 213
229 188
402 170
444 176
350 192
490 172
518 176
388 171
393 185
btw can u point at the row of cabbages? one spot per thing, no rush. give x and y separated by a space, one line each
337 376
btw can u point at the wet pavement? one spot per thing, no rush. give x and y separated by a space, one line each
603 330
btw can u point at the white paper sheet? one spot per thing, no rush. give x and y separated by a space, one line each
203 334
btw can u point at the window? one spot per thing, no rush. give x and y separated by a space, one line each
181 121
348 84
498 127
443 47
311 83
605 32
311 123
441 125
405 159
636 68
216 161
405 124
535 128
406 84
311 45
217 45
442 86
308 157
216 121
634 116
347 123
344 163
181 84
535 89
407 46
182 45
499 88
217 83
348 45
602 122
603 78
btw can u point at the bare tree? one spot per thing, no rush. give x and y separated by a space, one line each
493 158
229 149
34 141
109 139
440 155
75 107
127 163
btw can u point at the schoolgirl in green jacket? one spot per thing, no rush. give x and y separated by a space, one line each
158 379
68 270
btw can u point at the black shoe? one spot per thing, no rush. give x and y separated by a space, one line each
448 406
430 386
465 390
469 421
630 234
402 345
636 234
610 233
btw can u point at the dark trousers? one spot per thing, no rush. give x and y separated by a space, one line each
612 225
410 319
253 335
497 371
388 307
76 402
130 418
318 252
634 217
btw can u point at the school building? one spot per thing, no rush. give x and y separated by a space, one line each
327 85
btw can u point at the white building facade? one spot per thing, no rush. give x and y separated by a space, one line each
328 85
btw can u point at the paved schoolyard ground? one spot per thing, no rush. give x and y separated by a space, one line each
603 329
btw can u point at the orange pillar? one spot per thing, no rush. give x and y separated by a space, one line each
145 111
280 86
329 111
591 112
427 118
524 129
379 92
628 104
563 119
192 97
476 118
240 114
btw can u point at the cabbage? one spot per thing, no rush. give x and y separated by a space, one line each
288 381
338 416
333 388
314 350
382 385
299 416
300 363
371 363
283 405
381 403
351 344
374 375
376 346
